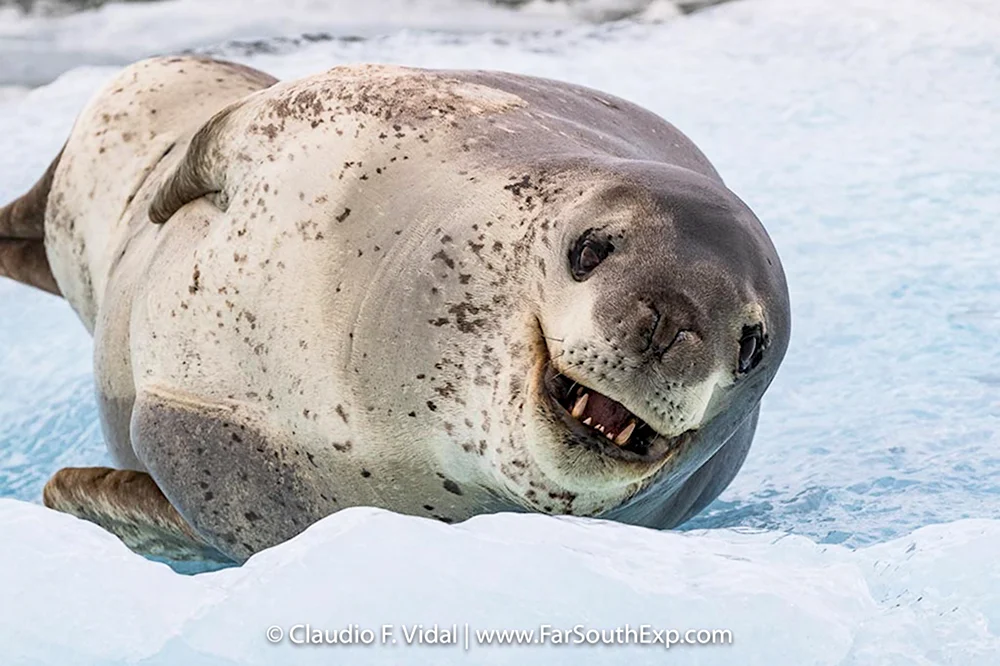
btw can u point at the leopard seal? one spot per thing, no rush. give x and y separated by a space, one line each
442 293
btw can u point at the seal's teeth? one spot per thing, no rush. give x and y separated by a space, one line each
581 404
599 427
622 438
609 435
587 421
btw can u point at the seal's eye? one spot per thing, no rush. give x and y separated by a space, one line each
588 251
751 348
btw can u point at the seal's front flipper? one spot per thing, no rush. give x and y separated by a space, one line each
131 506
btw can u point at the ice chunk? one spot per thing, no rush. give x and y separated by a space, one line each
79 596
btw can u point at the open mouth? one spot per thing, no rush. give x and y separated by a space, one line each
606 425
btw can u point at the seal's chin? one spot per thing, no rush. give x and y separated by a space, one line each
601 424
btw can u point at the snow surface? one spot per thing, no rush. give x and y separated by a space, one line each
863 135
930 598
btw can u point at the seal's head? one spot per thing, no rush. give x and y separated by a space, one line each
664 321
581 334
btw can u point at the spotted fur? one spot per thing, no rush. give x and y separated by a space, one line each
348 289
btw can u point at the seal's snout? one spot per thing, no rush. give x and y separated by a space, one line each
656 328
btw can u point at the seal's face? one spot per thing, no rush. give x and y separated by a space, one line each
668 309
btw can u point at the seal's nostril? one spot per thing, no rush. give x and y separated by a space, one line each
668 332
683 335
650 333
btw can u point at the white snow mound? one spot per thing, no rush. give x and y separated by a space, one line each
82 598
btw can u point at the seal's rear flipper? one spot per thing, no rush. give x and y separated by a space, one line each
131 506
22 236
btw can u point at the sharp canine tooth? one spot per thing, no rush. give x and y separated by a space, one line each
587 421
608 435
581 404
622 438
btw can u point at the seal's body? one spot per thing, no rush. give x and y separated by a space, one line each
441 293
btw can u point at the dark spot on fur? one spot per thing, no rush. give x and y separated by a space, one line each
445 258
446 391
452 487
516 188
462 319
195 281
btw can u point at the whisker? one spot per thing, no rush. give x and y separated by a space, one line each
549 365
